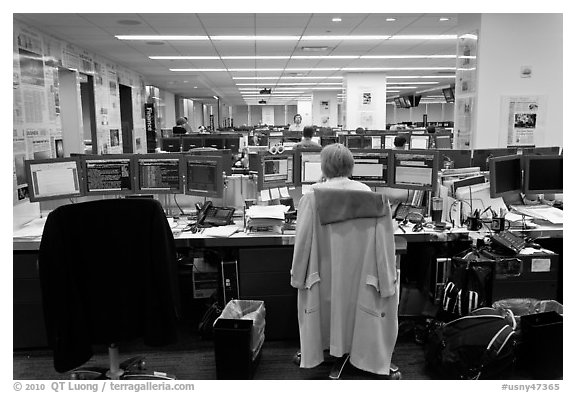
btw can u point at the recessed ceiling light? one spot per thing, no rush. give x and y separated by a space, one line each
443 19
195 87
336 19
390 19
129 22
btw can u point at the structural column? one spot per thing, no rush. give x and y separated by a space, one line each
365 101
325 108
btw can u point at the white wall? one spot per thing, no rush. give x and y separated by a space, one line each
304 108
356 111
506 43
169 114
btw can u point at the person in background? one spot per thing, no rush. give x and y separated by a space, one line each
307 141
187 126
297 126
400 142
360 131
179 128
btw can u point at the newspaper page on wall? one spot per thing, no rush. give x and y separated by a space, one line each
465 90
524 117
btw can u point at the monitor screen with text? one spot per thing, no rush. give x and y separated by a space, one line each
53 179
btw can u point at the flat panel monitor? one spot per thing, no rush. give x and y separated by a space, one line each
215 141
419 142
275 170
192 142
226 155
413 169
308 164
354 141
315 139
54 178
372 142
550 150
160 173
371 167
109 174
480 157
233 143
443 141
543 174
455 158
448 94
328 140
258 140
171 144
505 175
389 141
204 176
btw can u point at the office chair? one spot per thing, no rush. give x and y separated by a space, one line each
344 267
108 274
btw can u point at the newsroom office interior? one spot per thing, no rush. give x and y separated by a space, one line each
40 131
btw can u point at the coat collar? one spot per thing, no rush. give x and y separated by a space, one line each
335 205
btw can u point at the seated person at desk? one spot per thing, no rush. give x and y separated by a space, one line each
307 141
399 142
179 128
297 126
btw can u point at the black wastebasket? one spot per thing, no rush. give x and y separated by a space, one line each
541 349
238 339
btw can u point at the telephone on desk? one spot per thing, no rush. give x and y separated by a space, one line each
209 215
403 210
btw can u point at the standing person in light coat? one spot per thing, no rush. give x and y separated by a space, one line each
345 271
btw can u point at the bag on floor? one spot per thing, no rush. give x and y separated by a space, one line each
481 345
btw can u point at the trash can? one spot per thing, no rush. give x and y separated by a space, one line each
539 326
238 339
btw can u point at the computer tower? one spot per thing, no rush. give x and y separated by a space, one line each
229 281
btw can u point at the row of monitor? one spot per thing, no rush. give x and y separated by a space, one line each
414 141
480 157
185 143
530 174
119 174
376 168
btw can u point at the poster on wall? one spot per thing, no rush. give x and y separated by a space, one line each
31 68
366 98
466 63
464 112
524 119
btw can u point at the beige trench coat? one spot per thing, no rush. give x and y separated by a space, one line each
348 287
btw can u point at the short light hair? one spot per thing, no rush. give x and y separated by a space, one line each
336 161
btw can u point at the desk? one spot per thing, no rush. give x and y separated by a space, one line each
263 260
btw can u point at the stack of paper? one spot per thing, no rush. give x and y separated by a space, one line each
220 231
265 216
542 212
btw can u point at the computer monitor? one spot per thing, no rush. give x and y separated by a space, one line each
226 155
413 169
371 167
215 142
275 170
354 141
258 139
171 144
455 158
328 140
204 176
443 141
307 166
505 175
160 173
419 142
480 157
232 142
550 150
54 178
192 142
315 139
110 174
543 174
372 142
389 141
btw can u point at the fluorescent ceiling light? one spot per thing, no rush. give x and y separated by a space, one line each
282 37
420 76
444 19
408 57
404 87
312 69
469 36
215 97
163 37
336 19
291 84
285 77
390 19
410 83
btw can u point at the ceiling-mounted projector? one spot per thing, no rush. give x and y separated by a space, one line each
262 101
266 91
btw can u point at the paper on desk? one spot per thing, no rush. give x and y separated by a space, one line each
274 211
221 231
284 192
543 212
265 195
32 229
274 193
513 217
